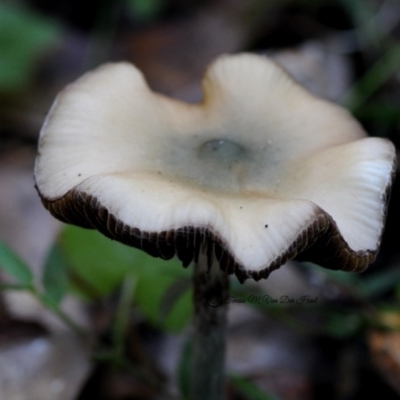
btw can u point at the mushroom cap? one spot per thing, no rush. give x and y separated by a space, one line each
260 172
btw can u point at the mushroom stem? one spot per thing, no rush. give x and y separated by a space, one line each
211 288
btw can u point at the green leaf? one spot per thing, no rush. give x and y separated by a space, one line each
55 277
98 261
24 36
181 313
5 286
14 266
249 390
102 264
176 304
153 292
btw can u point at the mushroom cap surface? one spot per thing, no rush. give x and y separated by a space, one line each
260 172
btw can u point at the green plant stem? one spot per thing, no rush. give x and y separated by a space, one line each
373 79
211 288
122 316
81 332
56 309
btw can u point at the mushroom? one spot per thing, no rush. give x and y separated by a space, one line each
258 173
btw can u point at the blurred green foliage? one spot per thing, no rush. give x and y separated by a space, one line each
55 276
12 265
145 10
373 80
249 390
24 37
100 265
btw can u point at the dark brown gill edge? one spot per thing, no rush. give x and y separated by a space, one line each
352 261
319 242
